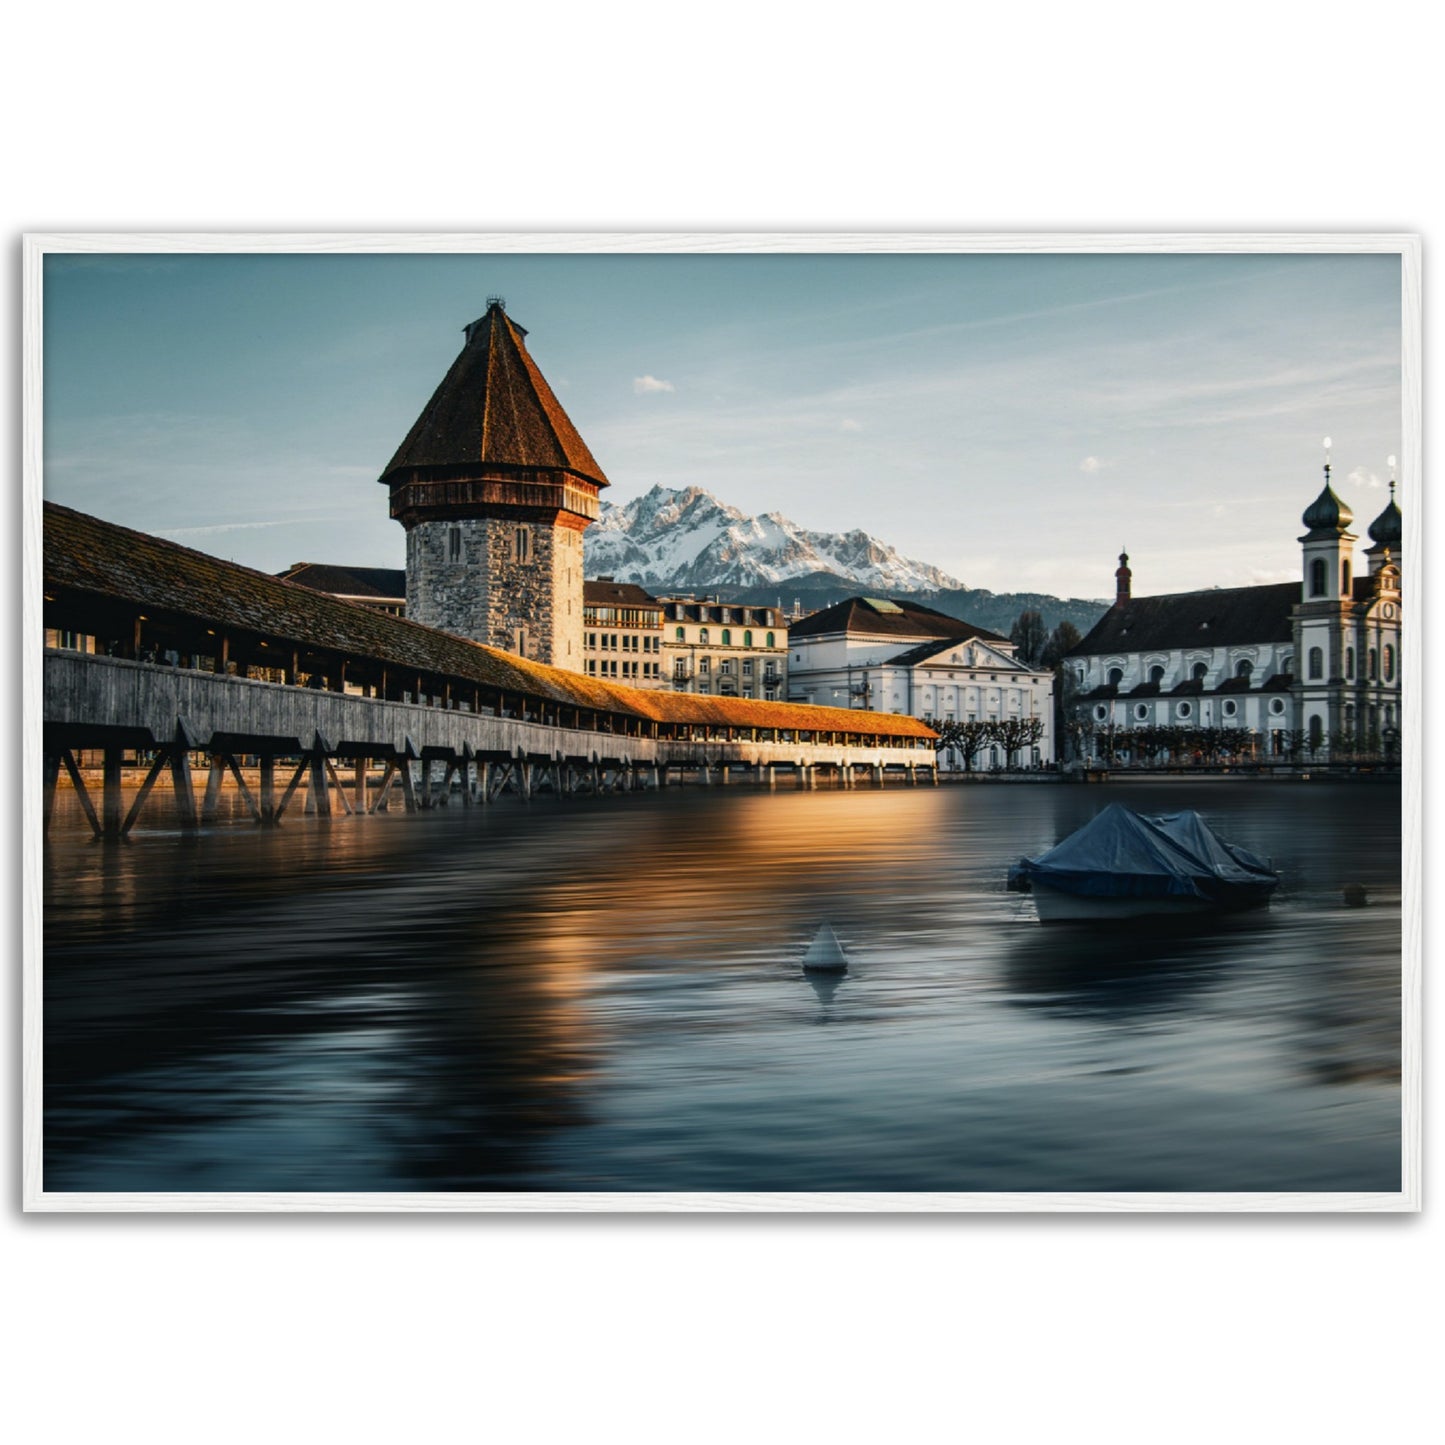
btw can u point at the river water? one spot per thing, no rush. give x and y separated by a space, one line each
604 994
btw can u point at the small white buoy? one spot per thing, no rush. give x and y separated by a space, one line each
825 954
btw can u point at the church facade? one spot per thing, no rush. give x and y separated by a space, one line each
1306 668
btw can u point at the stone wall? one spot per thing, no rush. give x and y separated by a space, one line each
515 585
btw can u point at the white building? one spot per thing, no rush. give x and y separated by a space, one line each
880 655
1313 664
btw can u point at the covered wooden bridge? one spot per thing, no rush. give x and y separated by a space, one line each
160 653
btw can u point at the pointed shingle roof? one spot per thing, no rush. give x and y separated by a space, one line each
494 407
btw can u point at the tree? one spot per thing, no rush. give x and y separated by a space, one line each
1030 637
1062 641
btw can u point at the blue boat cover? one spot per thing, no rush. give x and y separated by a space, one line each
1123 854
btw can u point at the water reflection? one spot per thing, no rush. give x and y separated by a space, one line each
607 994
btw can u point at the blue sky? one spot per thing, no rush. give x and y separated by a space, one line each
1011 419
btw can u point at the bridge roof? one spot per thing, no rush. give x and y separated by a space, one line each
495 406
107 565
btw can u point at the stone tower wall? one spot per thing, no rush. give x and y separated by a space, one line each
471 577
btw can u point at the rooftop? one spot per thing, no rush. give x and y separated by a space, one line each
494 407
889 617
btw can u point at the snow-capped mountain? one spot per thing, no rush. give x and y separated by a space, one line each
688 540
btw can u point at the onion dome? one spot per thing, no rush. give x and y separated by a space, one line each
1327 513
1385 529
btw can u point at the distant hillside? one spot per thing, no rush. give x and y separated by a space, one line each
994 610
685 540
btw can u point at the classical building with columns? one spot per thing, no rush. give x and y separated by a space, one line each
1313 664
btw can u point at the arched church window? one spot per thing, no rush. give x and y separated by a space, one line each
1317 731
1374 664
1243 668
1350 664
1389 663
1199 671
1317 664
1116 676
1317 577
1345 578
1156 674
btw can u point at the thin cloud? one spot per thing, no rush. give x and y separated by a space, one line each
1091 464
848 424
643 385
1364 477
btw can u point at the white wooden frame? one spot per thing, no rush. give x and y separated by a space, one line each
1407 247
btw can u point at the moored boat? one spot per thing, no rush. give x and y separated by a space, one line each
1122 865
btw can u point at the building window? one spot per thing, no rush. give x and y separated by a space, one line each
727 637
1101 712
681 635
524 544
1350 664
1116 676
1345 578
1141 711
747 667
1276 706
1230 707
747 639
1156 674
702 636
1199 671
1317 577
1185 709
1317 731
770 640
726 664
1374 664
519 642
454 544
704 666
1243 668
1317 664
1389 663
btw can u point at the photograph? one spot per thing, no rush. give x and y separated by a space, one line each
864 723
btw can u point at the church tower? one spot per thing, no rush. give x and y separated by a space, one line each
1324 657
495 488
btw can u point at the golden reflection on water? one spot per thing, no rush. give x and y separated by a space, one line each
605 993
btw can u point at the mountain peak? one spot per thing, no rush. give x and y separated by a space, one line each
685 539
